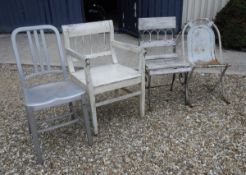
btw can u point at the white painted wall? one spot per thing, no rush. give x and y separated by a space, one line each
193 9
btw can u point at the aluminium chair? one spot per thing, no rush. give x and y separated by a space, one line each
158 33
199 47
88 44
46 94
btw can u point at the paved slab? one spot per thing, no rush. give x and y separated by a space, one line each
235 58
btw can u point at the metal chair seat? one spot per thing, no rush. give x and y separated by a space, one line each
53 94
108 74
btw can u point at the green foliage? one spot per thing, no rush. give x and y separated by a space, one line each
231 21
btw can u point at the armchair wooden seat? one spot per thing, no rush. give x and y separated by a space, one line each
116 75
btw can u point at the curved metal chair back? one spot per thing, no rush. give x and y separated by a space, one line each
201 36
201 42
40 57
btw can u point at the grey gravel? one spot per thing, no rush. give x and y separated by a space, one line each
209 138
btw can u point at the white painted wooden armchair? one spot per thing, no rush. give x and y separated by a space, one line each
91 43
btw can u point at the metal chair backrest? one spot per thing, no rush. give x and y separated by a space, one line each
201 47
92 40
156 28
39 52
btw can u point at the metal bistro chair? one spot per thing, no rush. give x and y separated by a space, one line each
45 95
90 43
198 46
158 33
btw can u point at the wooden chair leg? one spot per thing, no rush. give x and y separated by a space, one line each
149 91
93 113
86 120
142 99
34 134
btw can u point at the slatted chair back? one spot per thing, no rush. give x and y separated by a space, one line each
39 52
92 40
201 48
157 32
156 29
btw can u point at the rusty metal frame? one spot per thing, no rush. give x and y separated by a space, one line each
214 61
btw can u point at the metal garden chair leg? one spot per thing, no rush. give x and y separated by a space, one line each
34 133
174 76
186 81
191 74
71 109
86 120
222 85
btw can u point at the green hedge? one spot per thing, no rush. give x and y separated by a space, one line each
231 21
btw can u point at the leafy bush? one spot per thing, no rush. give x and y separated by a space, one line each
231 21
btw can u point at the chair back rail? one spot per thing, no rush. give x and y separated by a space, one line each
157 32
156 29
156 23
40 58
92 40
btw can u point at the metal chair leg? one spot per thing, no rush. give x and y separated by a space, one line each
191 74
174 76
71 109
86 120
34 134
186 81
222 85
28 122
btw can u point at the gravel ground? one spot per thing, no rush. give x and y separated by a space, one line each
209 138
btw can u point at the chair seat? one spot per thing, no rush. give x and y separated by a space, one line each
53 94
107 74
166 63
